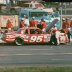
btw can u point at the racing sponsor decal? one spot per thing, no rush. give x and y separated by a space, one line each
47 38
10 36
13 19
62 39
36 38
26 38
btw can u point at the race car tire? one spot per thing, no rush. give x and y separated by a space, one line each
19 41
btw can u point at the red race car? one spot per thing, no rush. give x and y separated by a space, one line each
30 35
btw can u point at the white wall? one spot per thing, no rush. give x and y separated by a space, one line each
3 1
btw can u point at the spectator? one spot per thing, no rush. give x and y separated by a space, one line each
33 23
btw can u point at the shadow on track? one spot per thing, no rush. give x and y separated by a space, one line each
13 44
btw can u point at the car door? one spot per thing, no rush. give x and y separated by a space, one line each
37 36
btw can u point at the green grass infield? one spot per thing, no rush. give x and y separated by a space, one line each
36 69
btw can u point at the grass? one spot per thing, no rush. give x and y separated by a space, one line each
37 69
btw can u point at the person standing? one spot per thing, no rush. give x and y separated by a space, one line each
43 23
71 28
63 23
56 34
9 25
68 23
66 27
22 24
33 22
26 21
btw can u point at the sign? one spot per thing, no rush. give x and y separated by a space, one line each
13 19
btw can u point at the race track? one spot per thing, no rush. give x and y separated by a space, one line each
35 54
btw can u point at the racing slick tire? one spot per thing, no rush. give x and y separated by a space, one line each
19 41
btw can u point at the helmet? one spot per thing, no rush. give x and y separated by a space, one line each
42 19
24 15
55 24
63 18
22 19
33 17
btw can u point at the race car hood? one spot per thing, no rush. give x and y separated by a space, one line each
49 26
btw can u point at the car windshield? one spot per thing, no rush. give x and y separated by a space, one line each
38 14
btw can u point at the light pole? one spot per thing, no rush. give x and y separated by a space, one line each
8 5
61 16
65 8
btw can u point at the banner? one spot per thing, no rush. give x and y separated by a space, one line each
13 19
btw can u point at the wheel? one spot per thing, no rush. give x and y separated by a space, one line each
19 41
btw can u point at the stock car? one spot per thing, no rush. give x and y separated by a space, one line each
30 35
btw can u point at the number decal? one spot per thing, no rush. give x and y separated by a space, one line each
39 39
10 36
33 38
36 39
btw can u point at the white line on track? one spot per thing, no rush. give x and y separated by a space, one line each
35 49
45 54
33 54
57 59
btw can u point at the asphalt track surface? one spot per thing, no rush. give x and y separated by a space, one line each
35 55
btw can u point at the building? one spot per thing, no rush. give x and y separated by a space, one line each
7 1
28 0
2 1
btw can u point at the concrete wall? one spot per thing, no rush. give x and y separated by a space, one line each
2 1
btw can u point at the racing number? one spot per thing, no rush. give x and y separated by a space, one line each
33 38
37 39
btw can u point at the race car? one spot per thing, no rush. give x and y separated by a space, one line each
30 35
